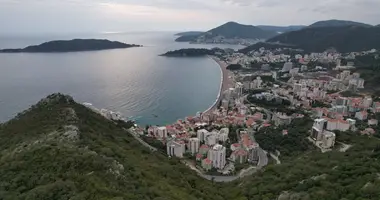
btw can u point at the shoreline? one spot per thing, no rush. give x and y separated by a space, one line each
225 83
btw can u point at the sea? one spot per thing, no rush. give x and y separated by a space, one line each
137 82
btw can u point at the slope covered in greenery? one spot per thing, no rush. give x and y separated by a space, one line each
59 149
72 46
343 39
337 23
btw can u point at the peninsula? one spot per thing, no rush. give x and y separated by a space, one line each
71 46
192 52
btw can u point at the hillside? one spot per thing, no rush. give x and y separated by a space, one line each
343 39
230 30
266 45
236 30
337 23
192 52
59 149
281 29
71 46
188 33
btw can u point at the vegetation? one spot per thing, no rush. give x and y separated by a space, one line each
322 38
266 45
281 29
59 149
272 139
236 30
234 67
72 45
337 23
189 52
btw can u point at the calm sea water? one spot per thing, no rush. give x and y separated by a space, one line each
136 81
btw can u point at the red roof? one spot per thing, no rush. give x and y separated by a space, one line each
204 146
199 155
207 161
236 145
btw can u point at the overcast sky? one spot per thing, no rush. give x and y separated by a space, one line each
52 16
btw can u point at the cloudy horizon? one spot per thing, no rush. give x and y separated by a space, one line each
73 16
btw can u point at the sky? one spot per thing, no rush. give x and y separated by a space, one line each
79 16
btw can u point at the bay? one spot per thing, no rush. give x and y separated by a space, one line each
135 81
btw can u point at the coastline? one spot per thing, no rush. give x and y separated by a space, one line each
225 83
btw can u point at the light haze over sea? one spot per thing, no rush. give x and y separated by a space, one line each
135 81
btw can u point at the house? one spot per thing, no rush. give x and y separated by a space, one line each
373 122
198 157
362 115
328 139
368 131
235 146
204 149
218 156
206 164
175 148
239 156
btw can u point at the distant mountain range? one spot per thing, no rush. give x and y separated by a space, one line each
341 38
229 30
281 29
337 23
71 46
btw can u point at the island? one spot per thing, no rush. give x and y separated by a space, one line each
192 52
71 46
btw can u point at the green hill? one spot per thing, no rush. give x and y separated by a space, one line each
71 46
59 149
230 30
281 29
337 23
236 30
343 38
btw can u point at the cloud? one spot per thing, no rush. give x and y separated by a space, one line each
94 15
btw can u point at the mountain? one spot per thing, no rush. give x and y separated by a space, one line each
266 45
281 29
230 30
59 149
236 30
72 46
342 38
337 23
188 33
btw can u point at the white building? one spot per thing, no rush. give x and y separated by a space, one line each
223 134
239 88
162 132
194 145
363 115
287 67
201 134
218 156
317 129
328 139
175 148
211 139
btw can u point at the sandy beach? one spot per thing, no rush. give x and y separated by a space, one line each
226 82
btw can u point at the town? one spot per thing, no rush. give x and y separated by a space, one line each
284 89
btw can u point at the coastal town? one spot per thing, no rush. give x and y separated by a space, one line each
221 141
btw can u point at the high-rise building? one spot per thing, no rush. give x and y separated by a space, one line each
287 67
162 132
194 145
218 156
174 148
201 134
